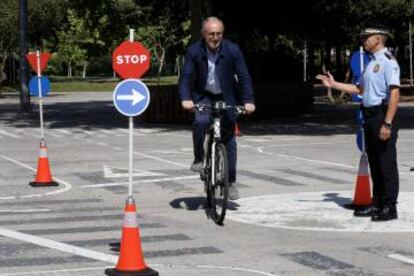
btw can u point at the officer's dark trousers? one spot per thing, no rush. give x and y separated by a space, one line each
382 157
201 123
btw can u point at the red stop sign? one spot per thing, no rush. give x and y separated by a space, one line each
131 60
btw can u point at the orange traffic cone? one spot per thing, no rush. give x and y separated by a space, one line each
237 130
362 195
131 260
43 176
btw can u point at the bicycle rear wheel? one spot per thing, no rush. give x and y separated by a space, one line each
219 194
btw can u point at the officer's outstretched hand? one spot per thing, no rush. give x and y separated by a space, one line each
187 105
249 108
327 79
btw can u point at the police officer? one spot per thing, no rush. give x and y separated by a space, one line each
379 87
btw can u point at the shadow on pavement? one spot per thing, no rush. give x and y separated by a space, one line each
325 119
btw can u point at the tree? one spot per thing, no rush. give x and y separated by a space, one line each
45 19
75 39
158 38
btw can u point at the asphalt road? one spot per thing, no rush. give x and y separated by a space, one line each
295 175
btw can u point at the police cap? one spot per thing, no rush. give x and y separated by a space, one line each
375 29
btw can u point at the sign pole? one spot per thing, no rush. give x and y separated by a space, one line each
410 39
131 97
40 95
361 55
131 136
304 62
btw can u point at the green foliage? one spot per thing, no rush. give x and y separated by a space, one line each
8 33
45 19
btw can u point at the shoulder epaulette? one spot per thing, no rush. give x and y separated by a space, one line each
389 56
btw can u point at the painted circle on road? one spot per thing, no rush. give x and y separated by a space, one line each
318 211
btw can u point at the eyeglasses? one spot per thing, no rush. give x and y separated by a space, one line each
213 34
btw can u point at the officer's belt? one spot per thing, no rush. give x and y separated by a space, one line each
375 110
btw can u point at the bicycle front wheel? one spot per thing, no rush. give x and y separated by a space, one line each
220 189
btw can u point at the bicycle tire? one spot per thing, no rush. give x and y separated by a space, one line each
219 194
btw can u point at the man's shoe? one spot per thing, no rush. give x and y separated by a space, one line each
233 192
367 211
196 166
387 213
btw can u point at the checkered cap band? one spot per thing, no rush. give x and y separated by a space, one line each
373 31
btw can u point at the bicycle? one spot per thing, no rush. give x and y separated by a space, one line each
215 171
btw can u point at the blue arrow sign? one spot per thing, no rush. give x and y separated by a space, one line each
131 97
34 86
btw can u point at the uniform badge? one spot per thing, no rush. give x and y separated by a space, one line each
376 68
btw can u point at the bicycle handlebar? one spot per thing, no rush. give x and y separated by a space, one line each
220 106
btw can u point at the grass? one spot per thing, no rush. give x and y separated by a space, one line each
64 84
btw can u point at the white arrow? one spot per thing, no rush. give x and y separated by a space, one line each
135 97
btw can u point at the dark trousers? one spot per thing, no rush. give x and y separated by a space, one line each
382 157
201 123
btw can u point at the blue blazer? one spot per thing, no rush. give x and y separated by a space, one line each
229 64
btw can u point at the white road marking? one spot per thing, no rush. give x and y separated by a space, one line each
141 181
102 144
52 272
87 132
167 266
401 258
43 242
107 131
67 186
27 132
317 161
24 211
161 160
5 133
170 152
236 269
330 163
262 149
109 172
64 131
318 211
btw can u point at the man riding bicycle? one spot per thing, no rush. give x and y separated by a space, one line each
215 70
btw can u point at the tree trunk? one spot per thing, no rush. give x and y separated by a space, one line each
69 70
84 70
3 75
199 9
162 59
178 66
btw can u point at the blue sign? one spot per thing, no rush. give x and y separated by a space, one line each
360 121
131 97
356 65
34 86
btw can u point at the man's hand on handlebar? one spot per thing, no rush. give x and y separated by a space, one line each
188 105
249 108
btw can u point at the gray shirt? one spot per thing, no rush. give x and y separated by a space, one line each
213 83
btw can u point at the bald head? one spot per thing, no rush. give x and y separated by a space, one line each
209 21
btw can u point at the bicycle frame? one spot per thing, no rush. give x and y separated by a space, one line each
214 172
